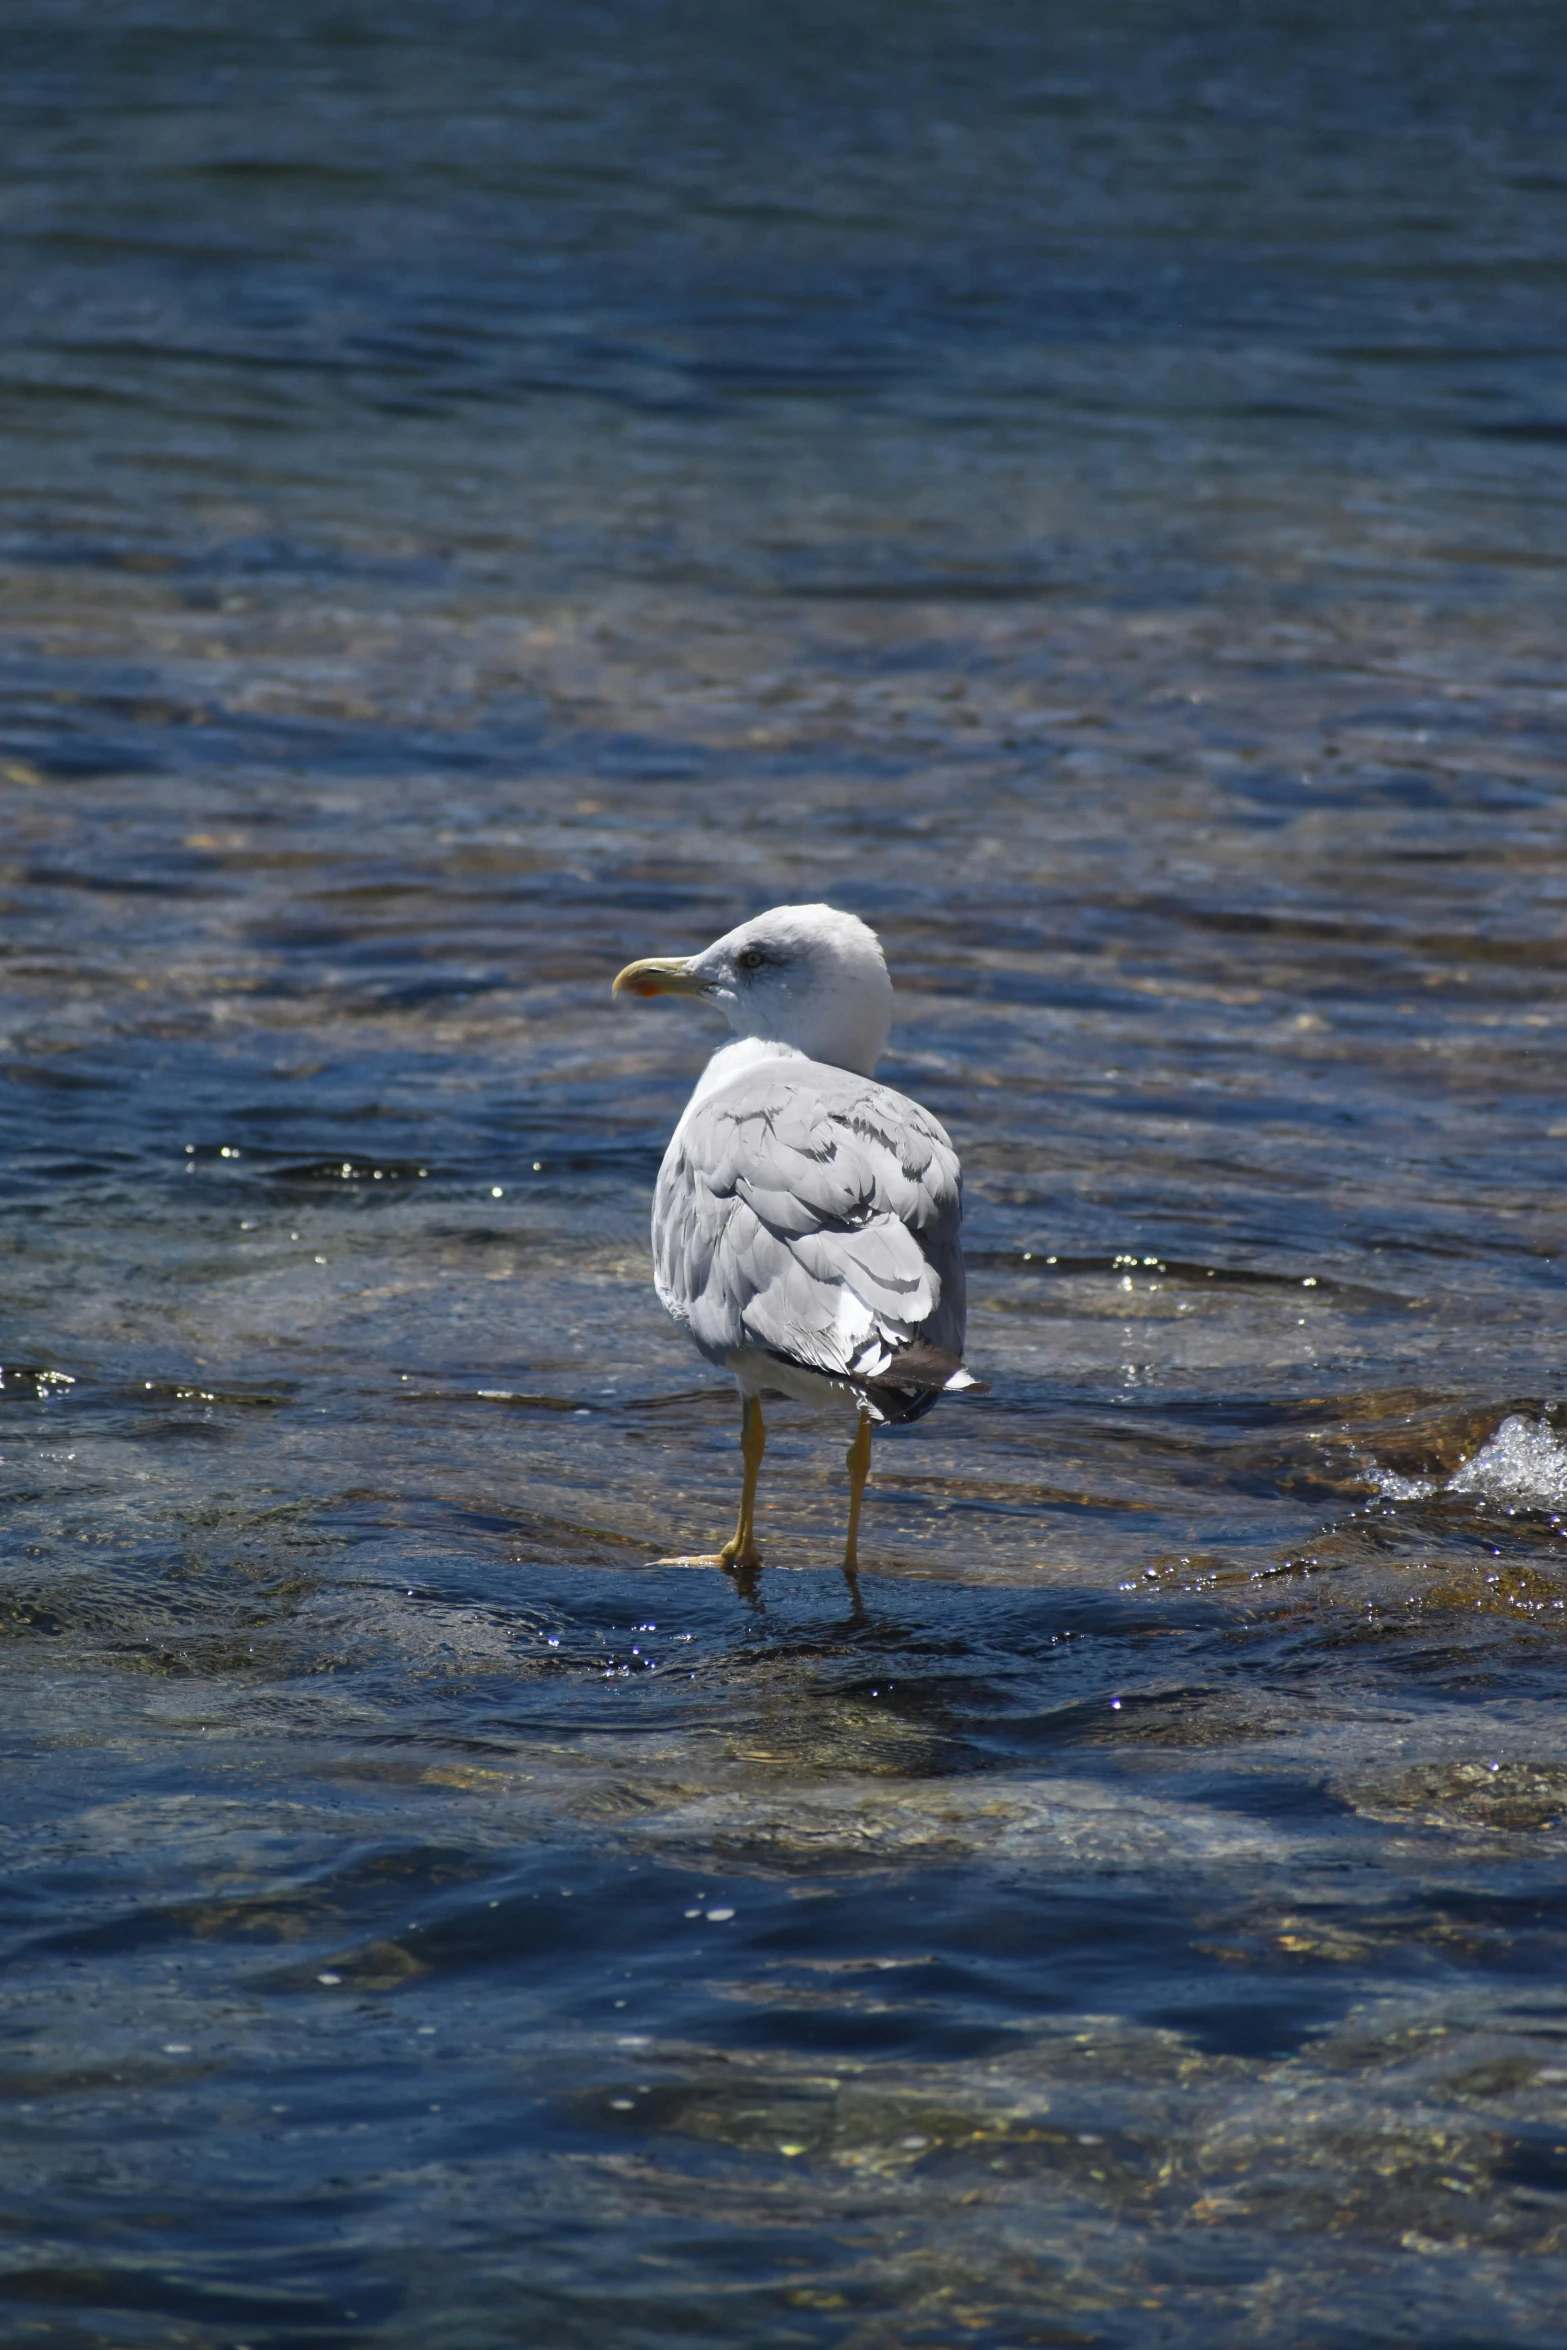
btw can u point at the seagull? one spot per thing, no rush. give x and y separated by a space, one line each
805 1221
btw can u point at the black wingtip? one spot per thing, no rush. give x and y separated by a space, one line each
920 1365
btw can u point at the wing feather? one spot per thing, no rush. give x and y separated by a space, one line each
813 1213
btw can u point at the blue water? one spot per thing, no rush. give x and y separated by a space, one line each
486 493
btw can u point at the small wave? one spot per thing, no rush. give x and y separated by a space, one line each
1524 1463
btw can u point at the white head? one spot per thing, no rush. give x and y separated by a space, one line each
807 976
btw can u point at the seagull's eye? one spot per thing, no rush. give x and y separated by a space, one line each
751 960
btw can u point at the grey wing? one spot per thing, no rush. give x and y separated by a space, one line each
815 1214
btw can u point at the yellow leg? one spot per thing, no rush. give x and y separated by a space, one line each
740 1555
859 1464
741 1551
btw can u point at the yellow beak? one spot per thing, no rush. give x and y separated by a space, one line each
658 975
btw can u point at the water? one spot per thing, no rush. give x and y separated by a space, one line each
488 493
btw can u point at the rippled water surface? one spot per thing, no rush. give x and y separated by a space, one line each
489 491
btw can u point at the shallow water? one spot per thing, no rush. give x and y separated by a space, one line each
487 494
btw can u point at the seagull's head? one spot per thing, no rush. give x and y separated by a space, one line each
807 976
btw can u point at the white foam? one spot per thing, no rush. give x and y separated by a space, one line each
1399 1488
1523 1464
